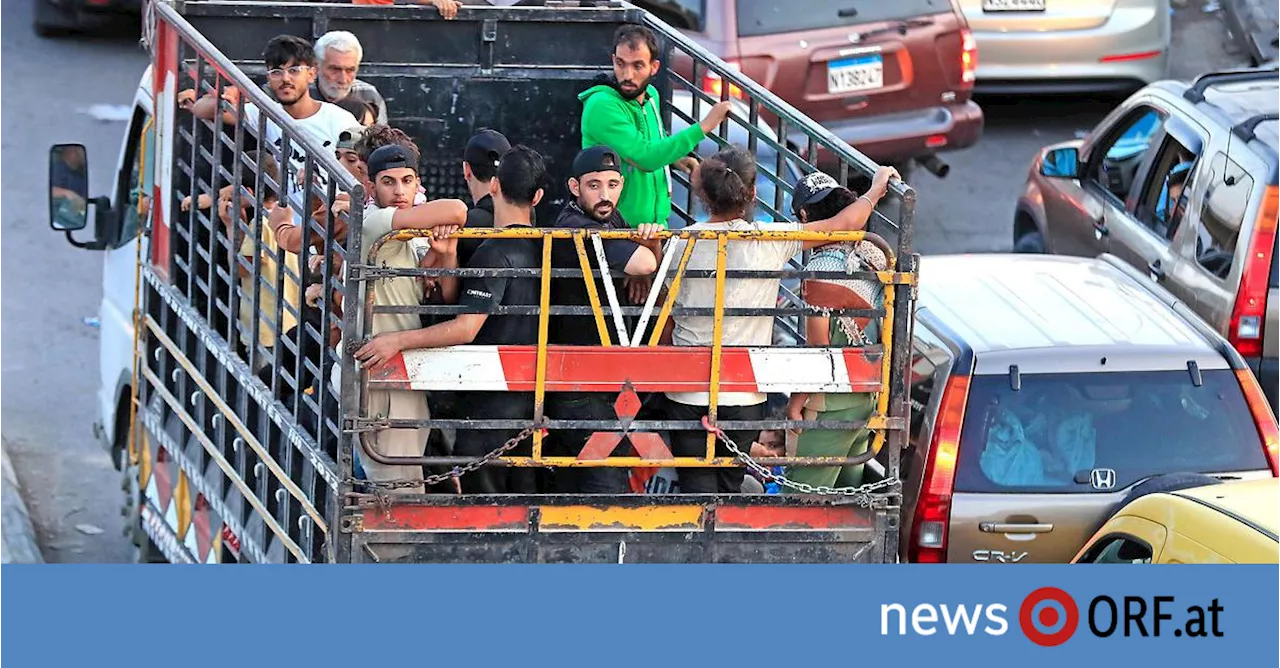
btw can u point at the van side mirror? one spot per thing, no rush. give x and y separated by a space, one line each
69 200
68 187
1060 163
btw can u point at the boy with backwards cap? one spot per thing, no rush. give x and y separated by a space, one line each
480 161
393 171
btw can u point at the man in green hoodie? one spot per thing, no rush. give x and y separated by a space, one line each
623 115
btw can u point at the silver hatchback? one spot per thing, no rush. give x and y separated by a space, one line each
1046 46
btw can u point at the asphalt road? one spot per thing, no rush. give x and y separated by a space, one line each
49 354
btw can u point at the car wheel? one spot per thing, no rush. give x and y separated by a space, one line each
53 21
1029 242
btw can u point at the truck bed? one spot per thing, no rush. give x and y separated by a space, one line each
243 464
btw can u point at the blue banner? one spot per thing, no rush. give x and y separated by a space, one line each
640 615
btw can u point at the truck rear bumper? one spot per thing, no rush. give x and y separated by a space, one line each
636 529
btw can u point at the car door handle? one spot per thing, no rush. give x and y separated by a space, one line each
1005 527
1157 272
1100 227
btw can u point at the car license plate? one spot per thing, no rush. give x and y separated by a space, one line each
1013 5
855 74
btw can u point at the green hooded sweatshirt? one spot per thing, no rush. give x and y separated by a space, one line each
635 131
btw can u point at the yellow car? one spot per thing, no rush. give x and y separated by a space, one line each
1231 522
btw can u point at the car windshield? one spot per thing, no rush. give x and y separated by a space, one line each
1136 139
1094 432
770 17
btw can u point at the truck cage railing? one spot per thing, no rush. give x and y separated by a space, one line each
192 296
218 156
621 368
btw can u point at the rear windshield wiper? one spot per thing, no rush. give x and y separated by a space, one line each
901 26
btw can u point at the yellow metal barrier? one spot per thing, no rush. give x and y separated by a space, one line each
878 423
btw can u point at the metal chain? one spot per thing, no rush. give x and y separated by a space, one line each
861 495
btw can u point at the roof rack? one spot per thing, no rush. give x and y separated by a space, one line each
1244 129
1212 337
1196 92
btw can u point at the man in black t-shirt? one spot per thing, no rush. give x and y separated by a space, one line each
595 183
521 174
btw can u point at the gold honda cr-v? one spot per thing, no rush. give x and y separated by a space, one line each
1048 390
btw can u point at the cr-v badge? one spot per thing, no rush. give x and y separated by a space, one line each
1103 479
998 556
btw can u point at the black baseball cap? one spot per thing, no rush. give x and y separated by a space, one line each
811 189
391 156
486 147
596 159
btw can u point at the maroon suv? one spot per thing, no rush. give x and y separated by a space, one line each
891 77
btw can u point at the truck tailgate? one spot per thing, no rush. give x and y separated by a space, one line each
562 529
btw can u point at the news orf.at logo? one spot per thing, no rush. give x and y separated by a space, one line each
1048 617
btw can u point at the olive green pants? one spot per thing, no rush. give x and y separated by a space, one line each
832 443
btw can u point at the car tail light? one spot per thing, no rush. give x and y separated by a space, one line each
1250 309
1262 417
933 510
968 56
713 83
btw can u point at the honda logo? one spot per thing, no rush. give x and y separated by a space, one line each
1103 478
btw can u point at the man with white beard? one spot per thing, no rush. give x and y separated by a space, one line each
340 53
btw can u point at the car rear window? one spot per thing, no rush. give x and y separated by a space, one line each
686 14
1058 428
770 17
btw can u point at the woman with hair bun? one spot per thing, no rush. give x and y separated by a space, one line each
725 183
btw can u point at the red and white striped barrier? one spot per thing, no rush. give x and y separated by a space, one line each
658 369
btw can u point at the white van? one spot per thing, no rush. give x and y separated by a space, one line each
116 218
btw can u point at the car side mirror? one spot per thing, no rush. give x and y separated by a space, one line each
68 187
1060 163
